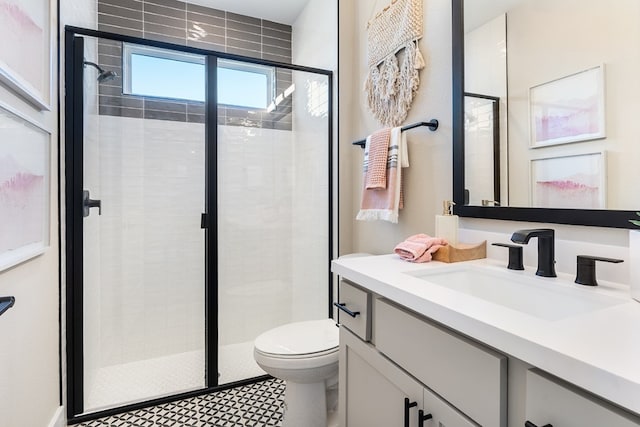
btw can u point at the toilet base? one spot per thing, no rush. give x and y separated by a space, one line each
305 405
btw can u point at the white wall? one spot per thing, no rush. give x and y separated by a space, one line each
429 178
312 33
430 175
29 361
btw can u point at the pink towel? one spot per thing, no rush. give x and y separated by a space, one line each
384 203
375 162
419 247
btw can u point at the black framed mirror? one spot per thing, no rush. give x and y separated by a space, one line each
466 207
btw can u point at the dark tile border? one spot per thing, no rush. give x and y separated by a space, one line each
194 25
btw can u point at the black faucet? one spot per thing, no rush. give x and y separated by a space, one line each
546 252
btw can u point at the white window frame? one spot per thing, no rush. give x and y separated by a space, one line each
133 49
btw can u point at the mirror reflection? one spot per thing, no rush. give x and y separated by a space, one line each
551 102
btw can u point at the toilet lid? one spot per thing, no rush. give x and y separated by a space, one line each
298 338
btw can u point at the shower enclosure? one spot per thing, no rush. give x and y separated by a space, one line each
198 215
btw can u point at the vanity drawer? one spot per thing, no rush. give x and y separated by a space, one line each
553 401
469 376
354 309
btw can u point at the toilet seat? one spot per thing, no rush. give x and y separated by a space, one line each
298 356
315 338
305 355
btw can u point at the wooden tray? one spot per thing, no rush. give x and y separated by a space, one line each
461 252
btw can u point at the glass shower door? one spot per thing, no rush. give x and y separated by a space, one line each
273 206
144 279
157 304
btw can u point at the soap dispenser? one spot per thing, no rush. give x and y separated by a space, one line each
447 223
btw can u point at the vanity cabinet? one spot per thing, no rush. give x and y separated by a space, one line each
376 392
551 401
478 366
390 355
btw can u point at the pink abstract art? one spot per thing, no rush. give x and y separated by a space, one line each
25 24
576 118
572 182
569 109
24 188
21 205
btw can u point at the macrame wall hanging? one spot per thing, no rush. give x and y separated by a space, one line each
394 60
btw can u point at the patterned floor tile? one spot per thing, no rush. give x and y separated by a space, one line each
254 405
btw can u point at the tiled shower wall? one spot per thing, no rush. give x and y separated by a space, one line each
151 247
196 26
151 297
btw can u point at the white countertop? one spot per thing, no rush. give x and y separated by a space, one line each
598 351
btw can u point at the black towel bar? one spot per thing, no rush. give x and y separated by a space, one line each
432 124
6 303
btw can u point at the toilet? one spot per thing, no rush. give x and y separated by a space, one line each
305 356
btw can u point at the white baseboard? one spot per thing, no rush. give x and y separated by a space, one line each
58 418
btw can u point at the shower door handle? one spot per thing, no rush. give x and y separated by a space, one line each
88 203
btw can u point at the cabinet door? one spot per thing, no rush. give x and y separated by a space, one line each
373 390
468 375
443 415
554 402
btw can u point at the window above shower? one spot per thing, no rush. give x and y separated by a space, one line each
149 71
188 24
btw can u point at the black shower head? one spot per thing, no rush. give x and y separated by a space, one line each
104 75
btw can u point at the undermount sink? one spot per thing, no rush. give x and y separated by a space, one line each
550 299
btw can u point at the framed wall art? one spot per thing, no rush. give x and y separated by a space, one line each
24 188
25 49
568 109
569 182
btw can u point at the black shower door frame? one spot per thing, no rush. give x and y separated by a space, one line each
73 154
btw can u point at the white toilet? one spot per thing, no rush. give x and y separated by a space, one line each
305 355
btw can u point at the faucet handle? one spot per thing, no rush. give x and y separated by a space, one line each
515 255
586 268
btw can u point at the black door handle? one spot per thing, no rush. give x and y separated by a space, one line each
422 417
88 203
530 424
408 405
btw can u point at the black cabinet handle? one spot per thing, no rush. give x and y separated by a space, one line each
530 424
6 303
408 405
422 417
342 306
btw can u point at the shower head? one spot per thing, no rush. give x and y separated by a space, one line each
104 75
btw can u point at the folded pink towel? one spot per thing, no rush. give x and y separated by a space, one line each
419 247
375 162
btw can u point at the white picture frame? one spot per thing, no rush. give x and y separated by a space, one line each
26 63
568 109
25 192
569 182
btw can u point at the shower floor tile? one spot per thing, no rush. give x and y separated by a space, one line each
236 362
253 405
138 381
